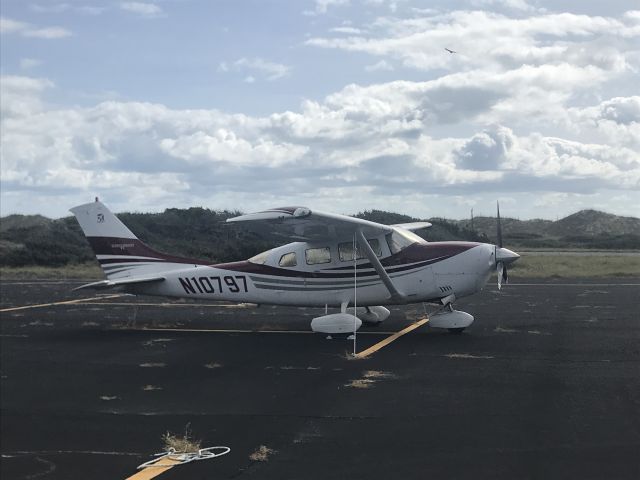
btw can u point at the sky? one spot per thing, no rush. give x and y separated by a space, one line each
337 105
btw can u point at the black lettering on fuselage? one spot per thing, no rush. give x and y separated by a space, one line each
231 284
197 284
206 284
186 284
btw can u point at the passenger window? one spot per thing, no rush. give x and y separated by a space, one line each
288 260
375 246
315 256
345 250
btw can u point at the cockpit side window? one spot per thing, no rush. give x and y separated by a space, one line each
315 256
288 260
345 250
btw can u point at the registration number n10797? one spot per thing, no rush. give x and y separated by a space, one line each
224 284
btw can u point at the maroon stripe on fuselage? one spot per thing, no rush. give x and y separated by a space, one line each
133 247
413 257
420 253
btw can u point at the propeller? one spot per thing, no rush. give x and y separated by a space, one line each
501 267
502 274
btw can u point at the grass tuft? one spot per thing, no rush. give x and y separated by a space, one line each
181 444
262 454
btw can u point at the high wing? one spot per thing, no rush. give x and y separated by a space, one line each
412 227
300 223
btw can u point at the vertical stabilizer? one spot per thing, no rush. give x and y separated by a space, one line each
97 221
120 253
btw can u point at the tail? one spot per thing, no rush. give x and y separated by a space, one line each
120 253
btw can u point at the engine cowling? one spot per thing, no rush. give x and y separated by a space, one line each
451 319
336 323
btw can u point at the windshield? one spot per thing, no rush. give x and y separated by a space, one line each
261 258
400 239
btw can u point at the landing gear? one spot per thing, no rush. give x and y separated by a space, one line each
456 331
453 320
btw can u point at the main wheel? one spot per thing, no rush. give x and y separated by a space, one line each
371 324
456 331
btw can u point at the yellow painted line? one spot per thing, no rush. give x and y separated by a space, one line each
162 465
68 302
214 330
388 340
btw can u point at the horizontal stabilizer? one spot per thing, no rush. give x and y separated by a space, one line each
118 283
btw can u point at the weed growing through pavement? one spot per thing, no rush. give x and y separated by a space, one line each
262 454
181 444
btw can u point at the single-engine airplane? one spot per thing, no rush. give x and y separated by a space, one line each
336 261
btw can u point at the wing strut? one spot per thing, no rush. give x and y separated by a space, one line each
396 296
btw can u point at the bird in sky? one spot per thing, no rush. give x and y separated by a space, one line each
449 50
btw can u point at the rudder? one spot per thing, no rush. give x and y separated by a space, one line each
117 249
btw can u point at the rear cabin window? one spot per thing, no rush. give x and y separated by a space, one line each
315 256
345 250
288 260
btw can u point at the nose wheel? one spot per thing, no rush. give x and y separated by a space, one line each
447 317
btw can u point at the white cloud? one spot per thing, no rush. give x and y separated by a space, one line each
21 96
347 30
143 9
47 33
28 63
258 66
615 121
10 26
382 65
7 25
521 5
321 6
49 8
66 7
373 140
488 40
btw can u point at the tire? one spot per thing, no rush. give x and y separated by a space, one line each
456 331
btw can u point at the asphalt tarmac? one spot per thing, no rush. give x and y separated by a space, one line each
545 384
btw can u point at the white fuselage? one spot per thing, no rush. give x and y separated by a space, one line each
432 271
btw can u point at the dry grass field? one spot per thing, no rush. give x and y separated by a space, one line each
531 265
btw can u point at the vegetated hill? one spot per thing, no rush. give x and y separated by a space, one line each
11 222
594 223
202 233
193 232
584 229
441 229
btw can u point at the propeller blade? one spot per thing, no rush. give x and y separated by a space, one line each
501 272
